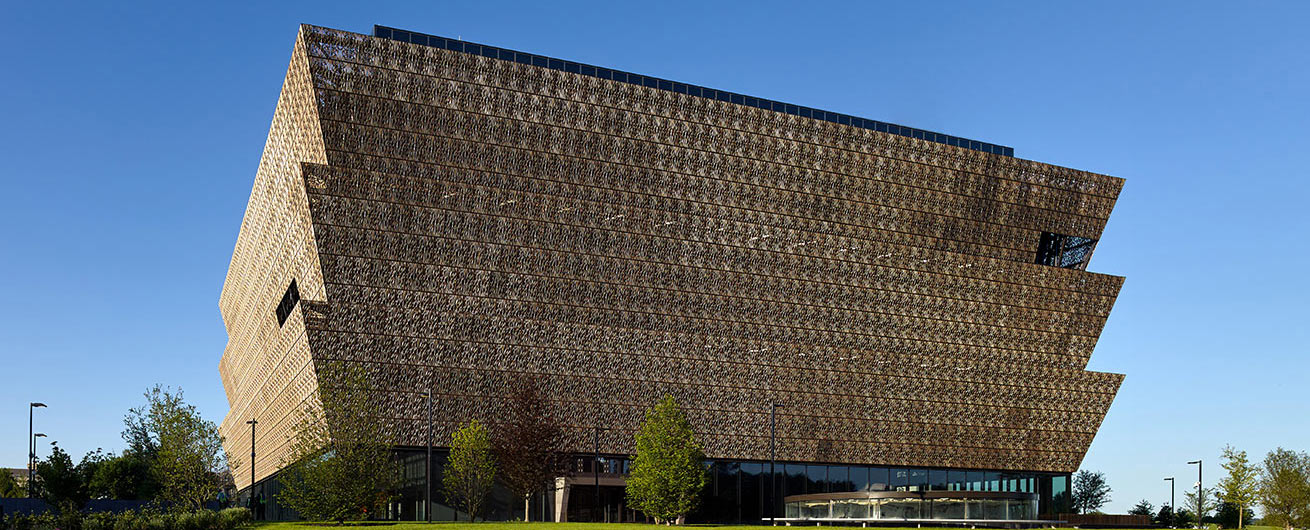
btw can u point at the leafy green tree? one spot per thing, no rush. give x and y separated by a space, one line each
528 444
1185 518
1090 491
340 466
63 484
127 476
9 488
188 449
1228 515
668 471
1143 507
1200 508
1285 488
1165 517
1241 487
470 470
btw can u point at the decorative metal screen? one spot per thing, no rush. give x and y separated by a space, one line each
458 221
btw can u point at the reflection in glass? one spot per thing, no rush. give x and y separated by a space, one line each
899 508
859 479
880 479
937 480
948 509
900 479
918 480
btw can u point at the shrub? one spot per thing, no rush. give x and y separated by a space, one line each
234 518
229 519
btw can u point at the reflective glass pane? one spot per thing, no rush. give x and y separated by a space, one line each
900 479
937 480
918 479
859 478
816 479
879 479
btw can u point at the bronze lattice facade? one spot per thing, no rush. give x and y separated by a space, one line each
459 216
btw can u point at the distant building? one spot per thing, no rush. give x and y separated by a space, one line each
19 474
458 216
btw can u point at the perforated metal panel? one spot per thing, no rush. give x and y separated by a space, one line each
457 221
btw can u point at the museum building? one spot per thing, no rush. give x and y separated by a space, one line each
909 313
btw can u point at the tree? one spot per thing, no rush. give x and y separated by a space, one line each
188 449
1285 488
340 465
528 445
127 476
668 471
1200 508
1185 518
1229 515
1241 486
63 484
9 488
1090 491
471 468
1143 507
1165 517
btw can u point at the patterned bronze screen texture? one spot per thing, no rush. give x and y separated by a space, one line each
457 222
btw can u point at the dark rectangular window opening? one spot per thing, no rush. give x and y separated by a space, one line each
289 300
1069 252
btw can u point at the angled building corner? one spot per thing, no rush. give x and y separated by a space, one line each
266 367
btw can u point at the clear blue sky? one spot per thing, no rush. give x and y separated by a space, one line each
130 134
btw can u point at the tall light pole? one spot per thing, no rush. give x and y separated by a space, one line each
34 461
31 446
773 476
36 457
595 471
252 424
1200 501
1173 512
427 473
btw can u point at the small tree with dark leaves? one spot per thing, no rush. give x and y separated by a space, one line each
1143 507
528 444
1090 491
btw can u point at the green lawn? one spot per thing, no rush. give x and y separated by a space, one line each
446 525
380 525
523 526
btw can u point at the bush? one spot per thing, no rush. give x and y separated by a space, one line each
229 519
234 518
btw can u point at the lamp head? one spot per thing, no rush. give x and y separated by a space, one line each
37 405
1169 479
251 422
1195 462
39 435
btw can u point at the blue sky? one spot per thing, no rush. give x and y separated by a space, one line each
131 133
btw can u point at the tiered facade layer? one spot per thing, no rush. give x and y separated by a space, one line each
458 222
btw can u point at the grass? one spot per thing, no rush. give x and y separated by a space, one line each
464 525
381 525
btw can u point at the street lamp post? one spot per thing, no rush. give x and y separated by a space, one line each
427 474
36 457
252 424
31 446
1173 512
595 471
1200 501
773 476
35 460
